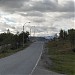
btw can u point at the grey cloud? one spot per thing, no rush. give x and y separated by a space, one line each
40 6
34 13
44 29
4 26
11 5
38 20
67 7
54 29
38 29
69 15
19 5
49 6
45 6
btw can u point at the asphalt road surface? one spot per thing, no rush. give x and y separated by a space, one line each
23 62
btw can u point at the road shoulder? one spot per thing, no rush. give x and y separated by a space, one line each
42 64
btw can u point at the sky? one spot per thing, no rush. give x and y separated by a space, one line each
42 17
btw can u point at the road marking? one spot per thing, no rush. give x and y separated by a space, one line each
36 64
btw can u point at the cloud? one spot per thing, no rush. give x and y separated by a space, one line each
9 20
40 29
11 5
67 7
50 6
39 20
37 12
42 6
34 13
68 15
4 26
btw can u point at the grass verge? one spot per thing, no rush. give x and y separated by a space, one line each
62 56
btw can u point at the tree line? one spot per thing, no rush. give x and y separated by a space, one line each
68 35
13 41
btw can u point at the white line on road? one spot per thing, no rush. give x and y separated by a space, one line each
36 64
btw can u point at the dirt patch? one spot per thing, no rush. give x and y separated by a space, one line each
45 59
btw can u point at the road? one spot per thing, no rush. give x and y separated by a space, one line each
23 62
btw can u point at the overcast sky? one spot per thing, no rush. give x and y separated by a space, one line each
46 17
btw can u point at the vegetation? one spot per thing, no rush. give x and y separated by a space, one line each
11 43
71 34
68 35
61 52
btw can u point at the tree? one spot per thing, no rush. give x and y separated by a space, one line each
14 40
8 31
24 35
65 34
55 37
71 34
61 34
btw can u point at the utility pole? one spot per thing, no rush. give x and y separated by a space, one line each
23 36
30 32
34 30
23 33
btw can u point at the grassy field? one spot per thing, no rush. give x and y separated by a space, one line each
10 52
62 56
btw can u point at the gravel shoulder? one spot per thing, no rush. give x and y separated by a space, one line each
44 63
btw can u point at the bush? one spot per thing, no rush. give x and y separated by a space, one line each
73 49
